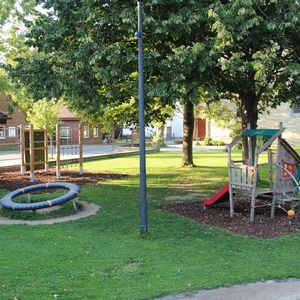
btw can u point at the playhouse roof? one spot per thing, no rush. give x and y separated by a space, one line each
290 149
273 134
260 132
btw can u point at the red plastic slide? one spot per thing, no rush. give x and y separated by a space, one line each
221 196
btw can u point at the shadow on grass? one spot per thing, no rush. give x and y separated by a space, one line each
120 214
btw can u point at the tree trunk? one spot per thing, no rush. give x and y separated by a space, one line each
188 130
51 145
249 116
160 134
132 139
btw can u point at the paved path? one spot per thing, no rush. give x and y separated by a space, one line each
9 158
88 209
268 290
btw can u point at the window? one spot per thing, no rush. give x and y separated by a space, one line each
65 132
86 133
96 132
65 135
12 132
2 132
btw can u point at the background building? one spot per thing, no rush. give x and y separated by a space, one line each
289 116
11 118
9 133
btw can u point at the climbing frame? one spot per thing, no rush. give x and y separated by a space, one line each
283 166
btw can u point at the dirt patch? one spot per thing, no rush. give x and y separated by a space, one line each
218 215
11 180
182 186
186 197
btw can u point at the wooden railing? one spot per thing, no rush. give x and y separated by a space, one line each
242 176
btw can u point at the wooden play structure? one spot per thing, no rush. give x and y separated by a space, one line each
273 177
34 150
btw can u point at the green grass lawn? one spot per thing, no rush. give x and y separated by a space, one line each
297 148
4 148
104 256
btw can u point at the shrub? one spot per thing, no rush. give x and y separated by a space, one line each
208 141
218 143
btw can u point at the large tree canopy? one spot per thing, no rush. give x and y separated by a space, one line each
88 54
12 43
242 50
257 44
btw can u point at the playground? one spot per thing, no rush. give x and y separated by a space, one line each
161 225
218 216
267 182
104 257
200 218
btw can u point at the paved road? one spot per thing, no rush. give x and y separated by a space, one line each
12 158
269 290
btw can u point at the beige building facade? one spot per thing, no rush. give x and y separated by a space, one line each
289 116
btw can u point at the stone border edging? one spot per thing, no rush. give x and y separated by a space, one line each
89 209
103 156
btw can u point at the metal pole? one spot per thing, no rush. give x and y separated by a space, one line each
46 149
57 152
22 149
143 185
80 140
31 151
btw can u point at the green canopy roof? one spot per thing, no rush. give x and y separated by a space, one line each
260 132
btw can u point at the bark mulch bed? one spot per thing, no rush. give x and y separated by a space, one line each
12 180
218 215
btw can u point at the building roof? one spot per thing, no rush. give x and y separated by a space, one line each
65 114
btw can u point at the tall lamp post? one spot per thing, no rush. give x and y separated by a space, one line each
143 185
